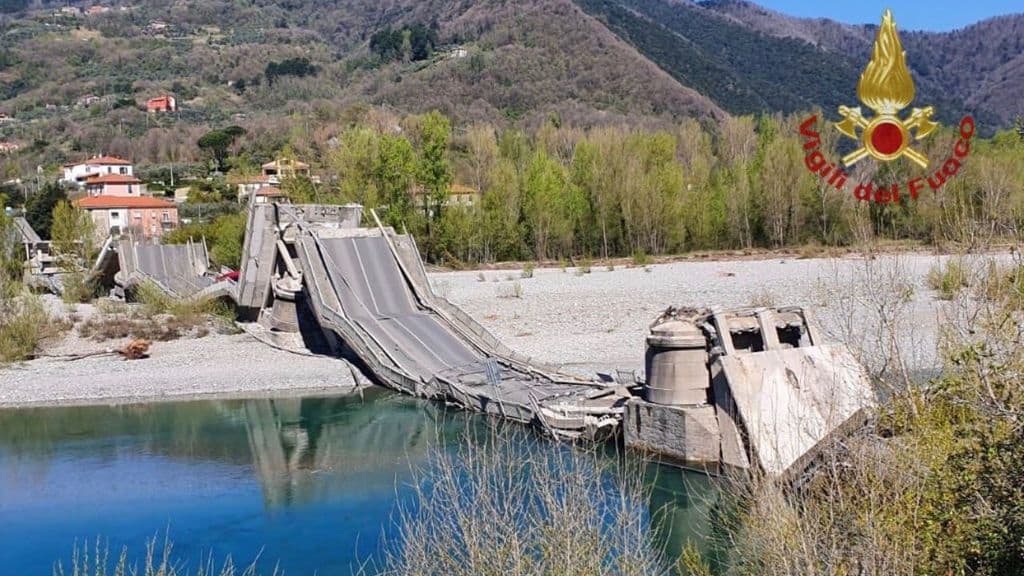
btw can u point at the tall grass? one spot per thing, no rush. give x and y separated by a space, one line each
156 302
23 324
159 560
505 503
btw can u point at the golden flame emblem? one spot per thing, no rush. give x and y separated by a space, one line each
886 87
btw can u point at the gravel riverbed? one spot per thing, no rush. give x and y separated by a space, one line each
584 322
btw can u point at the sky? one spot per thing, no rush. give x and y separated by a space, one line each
932 15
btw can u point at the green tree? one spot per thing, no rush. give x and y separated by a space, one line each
434 171
11 257
40 206
217 142
72 234
355 161
552 205
395 175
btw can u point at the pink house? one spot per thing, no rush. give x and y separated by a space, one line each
114 185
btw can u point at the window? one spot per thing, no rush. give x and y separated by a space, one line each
124 169
115 215
166 216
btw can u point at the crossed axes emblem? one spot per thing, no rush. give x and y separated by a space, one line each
886 137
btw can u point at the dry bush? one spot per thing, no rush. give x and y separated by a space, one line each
513 290
24 323
158 317
159 560
948 279
933 486
762 298
508 502
871 309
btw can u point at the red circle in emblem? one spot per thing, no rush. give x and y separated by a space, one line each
887 138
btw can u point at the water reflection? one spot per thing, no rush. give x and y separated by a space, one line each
298 443
312 482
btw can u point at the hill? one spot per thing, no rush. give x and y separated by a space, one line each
76 77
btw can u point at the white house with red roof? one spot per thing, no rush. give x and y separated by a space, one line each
143 216
249 185
78 172
114 185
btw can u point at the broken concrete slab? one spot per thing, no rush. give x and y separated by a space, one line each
789 401
684 433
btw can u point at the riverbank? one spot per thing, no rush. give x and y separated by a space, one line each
583 321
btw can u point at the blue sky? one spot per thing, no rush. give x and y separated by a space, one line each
936 15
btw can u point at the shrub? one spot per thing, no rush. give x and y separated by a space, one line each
77 288
584 267
513 290
156 302
640 258
762 298
23 323
527 270
507 502
948 280
159 560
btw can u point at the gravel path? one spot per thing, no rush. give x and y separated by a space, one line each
584 322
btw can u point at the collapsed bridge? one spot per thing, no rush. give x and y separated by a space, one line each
368 293
738 389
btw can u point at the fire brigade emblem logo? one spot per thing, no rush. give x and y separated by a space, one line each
886 88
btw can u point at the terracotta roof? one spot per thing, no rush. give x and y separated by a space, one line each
113 179
461 189
101 161
270 191
100 202
248 179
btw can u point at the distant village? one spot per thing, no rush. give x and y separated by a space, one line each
107 188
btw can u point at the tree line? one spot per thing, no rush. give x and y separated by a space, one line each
561 192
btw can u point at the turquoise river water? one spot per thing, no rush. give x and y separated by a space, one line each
310 483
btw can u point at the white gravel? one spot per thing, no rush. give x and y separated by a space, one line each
216 365
599 320
594 321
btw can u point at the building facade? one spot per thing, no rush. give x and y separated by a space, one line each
142 216
78 172
162 104
114 185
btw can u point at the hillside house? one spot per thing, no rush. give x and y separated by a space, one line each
78 172
247 186
6 118
269 194
165 103
458 195
9 148
115 185
145 217
285 168
87 100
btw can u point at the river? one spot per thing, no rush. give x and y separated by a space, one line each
310 484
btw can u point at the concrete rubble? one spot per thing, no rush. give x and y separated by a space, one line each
774 393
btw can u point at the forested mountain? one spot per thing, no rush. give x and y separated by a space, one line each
75 75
